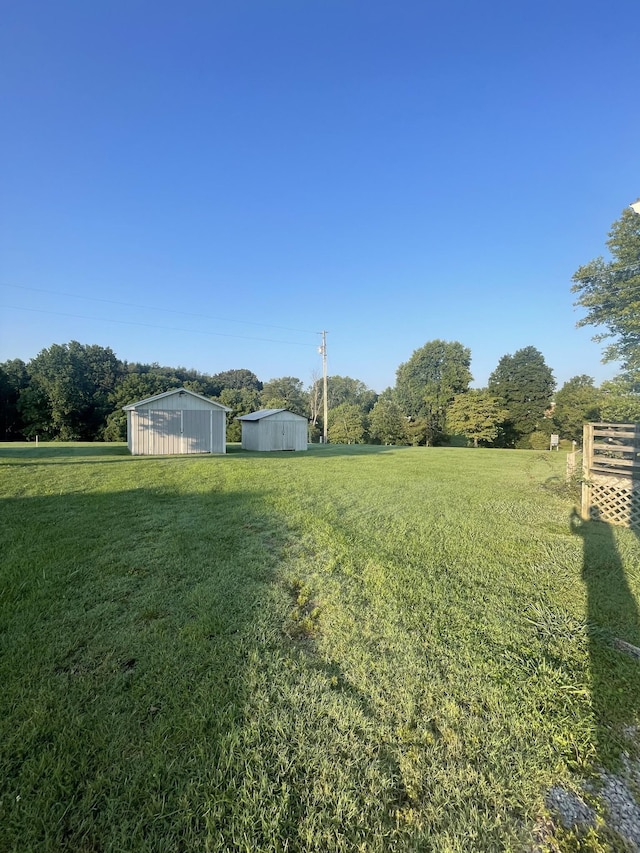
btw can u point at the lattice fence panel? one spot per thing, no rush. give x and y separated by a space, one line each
616 500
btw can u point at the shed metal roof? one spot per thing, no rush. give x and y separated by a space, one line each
180 391
265 413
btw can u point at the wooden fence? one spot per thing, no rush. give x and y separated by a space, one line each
611 473
573 461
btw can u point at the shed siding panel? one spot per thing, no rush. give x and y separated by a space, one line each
176 403
130 434
134 433
140 430
165 431
251 435
196 434
271 435
218 431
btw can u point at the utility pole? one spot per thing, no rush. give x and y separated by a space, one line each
322 349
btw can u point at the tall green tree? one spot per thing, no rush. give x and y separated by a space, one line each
344 389
340 390
238 379
14 379
576 403
620 401
346 424
34 407
77 381
241 401
287 392
524 385
176 377
418 431
477 415
387 423
428 382
609 290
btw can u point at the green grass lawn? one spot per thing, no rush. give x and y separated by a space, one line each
349 649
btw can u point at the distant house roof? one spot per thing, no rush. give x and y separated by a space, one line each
265 413
181 392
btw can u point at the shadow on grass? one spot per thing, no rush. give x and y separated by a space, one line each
318 450
60 450
128 621
53 452
612 616
151 700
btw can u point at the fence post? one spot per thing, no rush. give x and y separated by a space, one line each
587 453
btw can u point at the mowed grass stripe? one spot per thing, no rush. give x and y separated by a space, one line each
348 649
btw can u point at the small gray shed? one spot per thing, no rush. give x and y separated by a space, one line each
178 421
274 429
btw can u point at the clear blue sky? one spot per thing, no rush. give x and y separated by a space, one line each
210 184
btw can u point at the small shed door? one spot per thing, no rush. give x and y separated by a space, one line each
288 435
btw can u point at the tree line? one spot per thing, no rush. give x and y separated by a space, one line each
75 392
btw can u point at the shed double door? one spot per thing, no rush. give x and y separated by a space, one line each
196 431
183 431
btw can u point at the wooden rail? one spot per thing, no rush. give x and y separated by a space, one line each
611 473
612 448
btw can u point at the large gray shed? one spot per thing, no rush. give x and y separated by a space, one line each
178 421
274 429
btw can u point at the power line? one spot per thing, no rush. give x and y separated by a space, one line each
153 326
155 308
